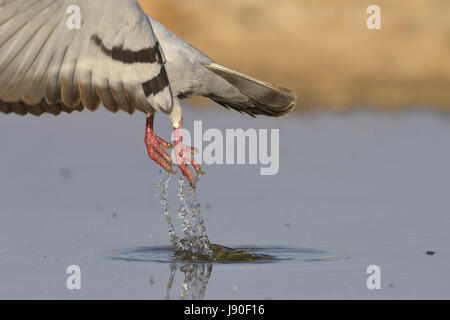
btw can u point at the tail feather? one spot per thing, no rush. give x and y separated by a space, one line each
255 97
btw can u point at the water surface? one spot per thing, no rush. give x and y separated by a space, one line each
364 188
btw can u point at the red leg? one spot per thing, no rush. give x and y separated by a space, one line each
184 155
155 146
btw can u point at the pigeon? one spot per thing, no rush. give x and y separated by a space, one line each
69 55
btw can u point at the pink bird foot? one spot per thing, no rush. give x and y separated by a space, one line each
184 154
156 145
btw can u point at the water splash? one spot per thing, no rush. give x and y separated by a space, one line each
195 242
162 193
196 277
192 243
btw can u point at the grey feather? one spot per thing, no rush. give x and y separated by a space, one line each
192 73
262 98
45 66
120 58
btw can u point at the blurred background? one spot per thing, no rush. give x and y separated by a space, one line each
362 187
323 49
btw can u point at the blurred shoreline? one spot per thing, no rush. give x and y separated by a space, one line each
323 50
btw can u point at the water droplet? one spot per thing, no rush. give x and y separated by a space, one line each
193 242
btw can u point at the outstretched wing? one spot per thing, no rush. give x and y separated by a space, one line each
65 55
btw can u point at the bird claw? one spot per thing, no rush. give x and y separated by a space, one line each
159 155
200 172
171 171
155 148
190 150
184 158
184 154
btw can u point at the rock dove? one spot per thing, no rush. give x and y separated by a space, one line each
67 55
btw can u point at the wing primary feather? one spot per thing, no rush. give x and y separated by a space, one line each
102 74
117 71
53 89
22 79
45 67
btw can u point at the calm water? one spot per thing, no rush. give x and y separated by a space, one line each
354 189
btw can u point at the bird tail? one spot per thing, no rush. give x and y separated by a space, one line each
253 97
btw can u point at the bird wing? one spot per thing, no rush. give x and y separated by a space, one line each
65 55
